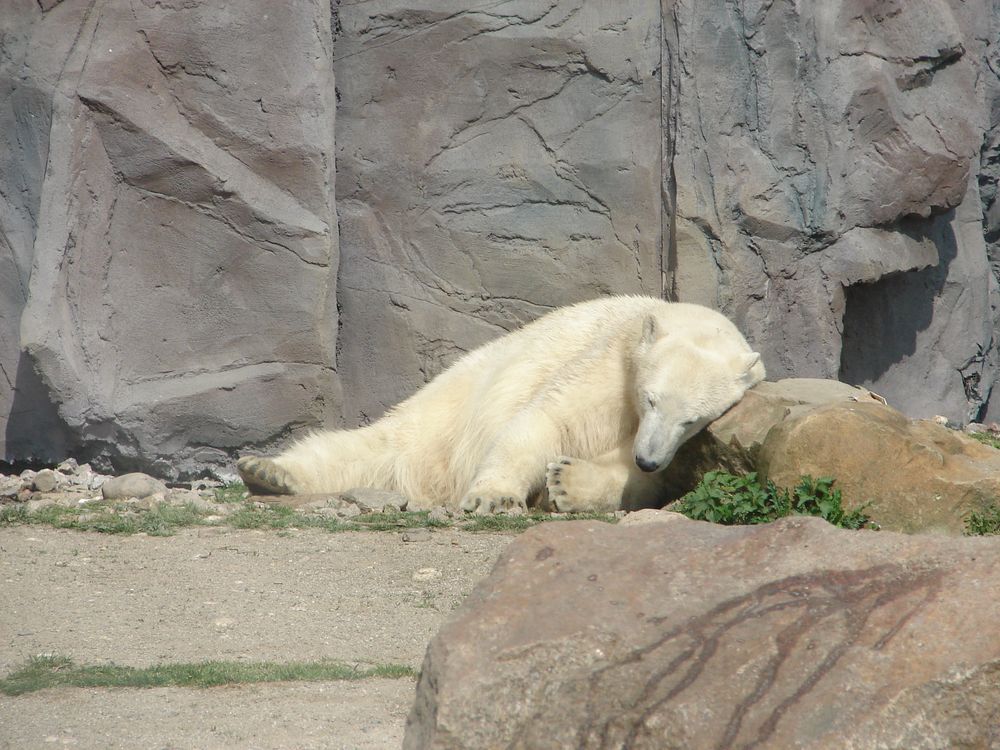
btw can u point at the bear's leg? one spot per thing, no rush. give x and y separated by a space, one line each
604 484
263 476
514 468
329 461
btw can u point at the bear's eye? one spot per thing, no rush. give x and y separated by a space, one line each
651 400
688 422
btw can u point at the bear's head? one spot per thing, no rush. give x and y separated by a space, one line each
683 382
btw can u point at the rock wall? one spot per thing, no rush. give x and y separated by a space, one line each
174 286
493 162
169 226
824 165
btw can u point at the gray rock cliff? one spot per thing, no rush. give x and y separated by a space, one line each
206 244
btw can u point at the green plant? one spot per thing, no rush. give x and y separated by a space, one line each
164 520
264 517
985 522
392 520
986 438
232 492
12 514
731 499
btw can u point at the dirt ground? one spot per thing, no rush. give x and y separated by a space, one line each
216 593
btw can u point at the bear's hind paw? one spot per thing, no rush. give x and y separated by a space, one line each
486 503
263 476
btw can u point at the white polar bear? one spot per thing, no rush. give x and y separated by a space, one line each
578 410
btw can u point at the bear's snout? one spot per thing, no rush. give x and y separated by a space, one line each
645 464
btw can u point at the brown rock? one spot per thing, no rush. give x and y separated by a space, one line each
689 635
732 442
917 475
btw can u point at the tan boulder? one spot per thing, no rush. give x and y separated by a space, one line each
732 442
919 476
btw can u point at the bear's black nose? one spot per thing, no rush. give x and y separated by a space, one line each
645 464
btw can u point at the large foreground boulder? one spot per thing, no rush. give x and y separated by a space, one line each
689 635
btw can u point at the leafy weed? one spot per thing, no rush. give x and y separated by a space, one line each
731 499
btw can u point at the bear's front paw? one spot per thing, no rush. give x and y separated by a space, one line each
263 476
557 489
578 486
485 503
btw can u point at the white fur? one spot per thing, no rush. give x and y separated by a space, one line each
581 381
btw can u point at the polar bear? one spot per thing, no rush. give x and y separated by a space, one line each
580 410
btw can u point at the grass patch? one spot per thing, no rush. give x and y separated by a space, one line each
232 492
986 438
41 672
985 522
397 519
13 514
107 517
164 520
730 499
115 517
264 517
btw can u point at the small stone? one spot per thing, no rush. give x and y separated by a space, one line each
189 497
144 503
348 511
205 484
47 480
9 487
312 503
416 535
69 466
329 511
440 514
136 484
426 574
97 481
974 428
375 501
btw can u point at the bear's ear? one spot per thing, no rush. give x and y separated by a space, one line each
650 330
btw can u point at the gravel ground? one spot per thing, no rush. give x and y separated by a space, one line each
218 593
